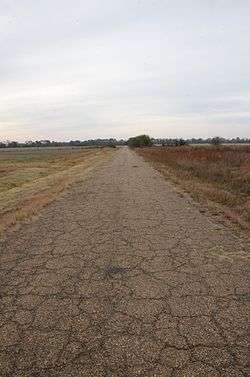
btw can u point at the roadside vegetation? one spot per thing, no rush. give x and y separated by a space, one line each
32 178
218 176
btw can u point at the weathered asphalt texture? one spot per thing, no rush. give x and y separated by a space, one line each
123 277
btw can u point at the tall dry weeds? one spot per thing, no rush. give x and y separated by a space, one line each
219 174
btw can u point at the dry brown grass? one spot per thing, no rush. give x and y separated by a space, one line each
31 179
216 176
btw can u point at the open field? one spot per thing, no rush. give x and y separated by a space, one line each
216 176
33 178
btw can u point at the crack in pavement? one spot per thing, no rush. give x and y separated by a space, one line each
121 277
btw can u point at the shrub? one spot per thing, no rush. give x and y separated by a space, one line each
111 145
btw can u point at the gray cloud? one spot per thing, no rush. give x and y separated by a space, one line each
95 69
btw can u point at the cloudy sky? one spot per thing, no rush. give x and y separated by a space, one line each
79 69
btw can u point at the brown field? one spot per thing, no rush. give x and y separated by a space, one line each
31 179
218 177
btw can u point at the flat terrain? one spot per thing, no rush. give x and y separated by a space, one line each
31 178
122 277
218 177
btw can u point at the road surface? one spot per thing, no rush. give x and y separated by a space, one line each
123 277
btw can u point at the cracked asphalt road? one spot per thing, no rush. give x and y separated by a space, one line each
122 277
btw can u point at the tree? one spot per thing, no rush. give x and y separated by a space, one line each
12 144
216 141
180 142
139 141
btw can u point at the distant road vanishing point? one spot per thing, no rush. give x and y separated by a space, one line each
123 277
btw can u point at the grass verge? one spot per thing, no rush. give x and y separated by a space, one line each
217 177
30 180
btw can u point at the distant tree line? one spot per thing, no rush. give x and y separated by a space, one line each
214 140
72 143
137 141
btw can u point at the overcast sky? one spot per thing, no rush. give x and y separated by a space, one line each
80 69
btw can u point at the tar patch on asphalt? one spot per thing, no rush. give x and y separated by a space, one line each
113 271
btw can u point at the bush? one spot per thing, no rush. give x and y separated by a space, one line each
111 145
139 141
